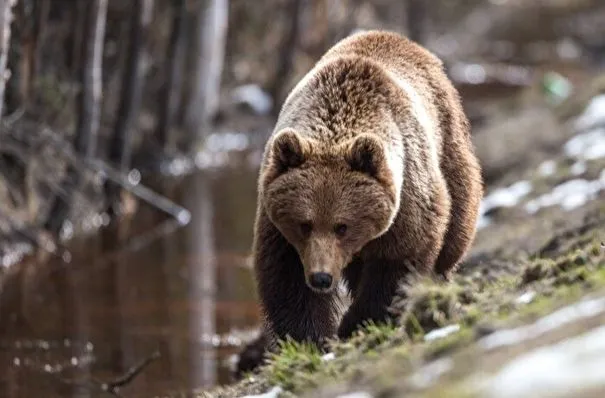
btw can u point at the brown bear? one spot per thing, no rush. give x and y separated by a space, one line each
369 175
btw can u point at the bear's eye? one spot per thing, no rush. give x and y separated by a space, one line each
340 229
305 228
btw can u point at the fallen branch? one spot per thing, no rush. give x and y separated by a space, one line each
114 386
182 215
26 157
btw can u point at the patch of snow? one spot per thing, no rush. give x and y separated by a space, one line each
502 197
559 318
563 369
587 146
356 394
441 332
593 114
429 374
253 96
506 197
483 221
328 357
526 297
569 195
272 393
568 49
578 168
225 142
547 168
471 73
15 254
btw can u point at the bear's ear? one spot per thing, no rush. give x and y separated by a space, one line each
366 155
288 150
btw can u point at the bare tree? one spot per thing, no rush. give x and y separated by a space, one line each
120 150
170 92
89 105
5 32
89 101
209 52
42 9
27 34
74 43
287 52
416 11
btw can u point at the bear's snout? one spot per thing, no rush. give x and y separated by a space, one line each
321 281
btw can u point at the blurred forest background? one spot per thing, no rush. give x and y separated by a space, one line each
108 104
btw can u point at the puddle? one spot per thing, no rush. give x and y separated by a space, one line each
187 292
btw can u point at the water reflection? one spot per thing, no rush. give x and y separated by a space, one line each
202 277
186 292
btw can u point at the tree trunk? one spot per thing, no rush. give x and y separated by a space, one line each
5 32
42 11
287 52
416 20
120 151
74 42
89 106
170 92
132 85
209 46
89 101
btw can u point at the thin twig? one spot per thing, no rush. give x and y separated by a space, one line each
113 386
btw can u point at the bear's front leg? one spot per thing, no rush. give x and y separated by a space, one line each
377 287
290 307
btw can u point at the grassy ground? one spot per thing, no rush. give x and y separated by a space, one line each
379 358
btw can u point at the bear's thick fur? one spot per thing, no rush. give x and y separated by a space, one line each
370 174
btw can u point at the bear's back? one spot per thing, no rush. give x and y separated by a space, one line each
351 86
391 50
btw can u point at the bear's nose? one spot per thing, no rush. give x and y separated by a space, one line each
320 280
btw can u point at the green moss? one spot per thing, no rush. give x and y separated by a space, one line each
293 365
431 305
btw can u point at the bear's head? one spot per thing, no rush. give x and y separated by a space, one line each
328 203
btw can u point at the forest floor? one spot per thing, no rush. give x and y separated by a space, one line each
523 315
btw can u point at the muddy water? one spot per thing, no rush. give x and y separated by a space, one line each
186 293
